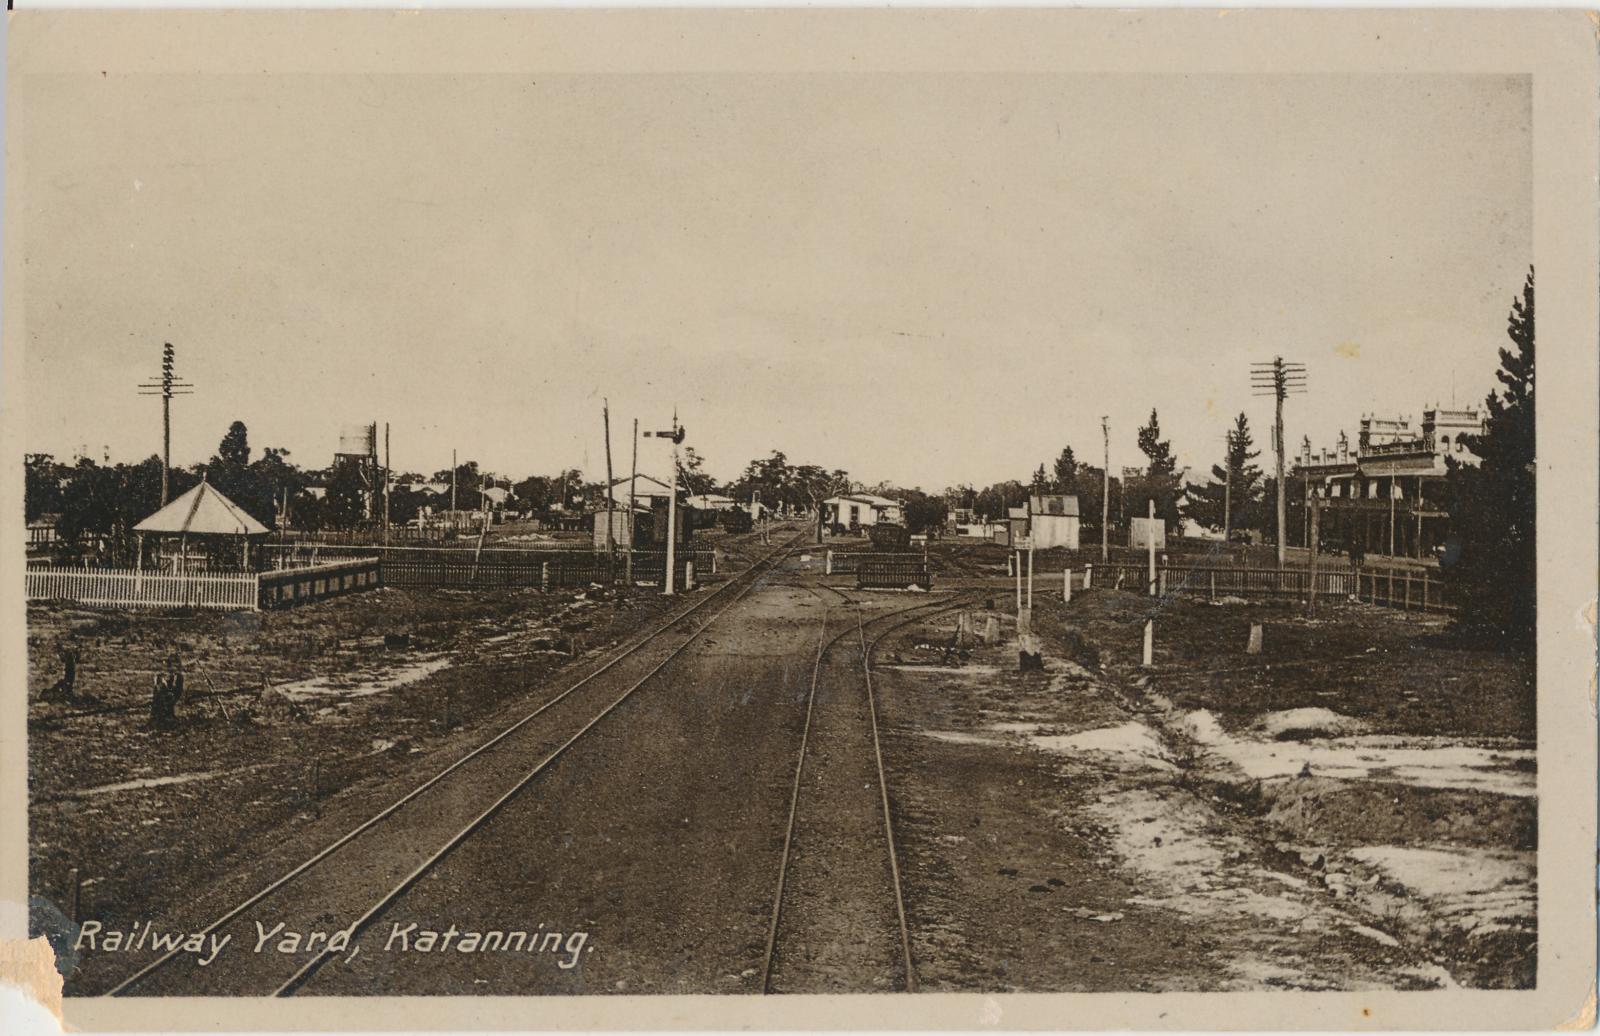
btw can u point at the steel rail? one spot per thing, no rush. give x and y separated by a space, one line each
756 570
304 973
824 646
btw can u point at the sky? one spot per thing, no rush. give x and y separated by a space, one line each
926 279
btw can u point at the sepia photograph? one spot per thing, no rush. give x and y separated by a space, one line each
624 524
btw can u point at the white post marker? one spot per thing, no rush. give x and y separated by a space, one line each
1030 576
1066 586
1149 642
1088 576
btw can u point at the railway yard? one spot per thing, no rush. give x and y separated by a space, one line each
784 783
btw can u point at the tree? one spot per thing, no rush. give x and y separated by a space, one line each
1066 472
43 479
1490 557
924 513
1161 482
235 446
691 479
1237 485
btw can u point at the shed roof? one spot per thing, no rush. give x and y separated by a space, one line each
1054 503
203 510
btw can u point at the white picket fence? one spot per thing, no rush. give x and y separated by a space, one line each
126 588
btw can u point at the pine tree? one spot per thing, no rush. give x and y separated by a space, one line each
1490 559
1160 480
1238 485
235 446
1066 471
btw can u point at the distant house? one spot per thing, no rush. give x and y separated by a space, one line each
42 530
1053 520
711 502
860 510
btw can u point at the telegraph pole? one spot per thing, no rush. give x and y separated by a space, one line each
633 480
1105 492
166 386
386 474
611 498
1278 379
1227 487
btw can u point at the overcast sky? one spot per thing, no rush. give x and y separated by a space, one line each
928 279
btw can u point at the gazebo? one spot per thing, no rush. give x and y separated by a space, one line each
202 511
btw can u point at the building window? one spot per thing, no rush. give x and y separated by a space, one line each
1446 443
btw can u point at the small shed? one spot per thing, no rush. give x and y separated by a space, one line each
1016 526
1053 520
201 512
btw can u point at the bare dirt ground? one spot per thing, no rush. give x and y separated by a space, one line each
1354 808
150 816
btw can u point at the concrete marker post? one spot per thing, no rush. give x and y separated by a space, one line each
1066 586
1149 642
74 890
1088 575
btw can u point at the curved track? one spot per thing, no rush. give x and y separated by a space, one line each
454 782
775 958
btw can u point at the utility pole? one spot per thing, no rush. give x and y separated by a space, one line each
452 485
1278 379
386 482
1105 492
633 480
1227 488
166 386
611 499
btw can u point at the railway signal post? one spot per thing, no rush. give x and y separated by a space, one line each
676 435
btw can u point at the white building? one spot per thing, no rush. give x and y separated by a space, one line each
1053 520
861 509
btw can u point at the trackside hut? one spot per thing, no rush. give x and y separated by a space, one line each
1053 520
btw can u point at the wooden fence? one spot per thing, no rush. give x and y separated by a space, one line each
1390 587
463 567
236 591
289 586
128 588
892 571
836 563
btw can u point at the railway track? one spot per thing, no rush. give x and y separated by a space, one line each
827 947
429 814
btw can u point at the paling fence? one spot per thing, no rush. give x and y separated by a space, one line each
892 571
235 591
465 567
130 588
848 562
1390 587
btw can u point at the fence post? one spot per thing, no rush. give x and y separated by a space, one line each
1425 580
74 890
827 563
1088 576
1408 591
1213 584
544 575
1066 586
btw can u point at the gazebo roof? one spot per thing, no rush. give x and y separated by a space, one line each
203 510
